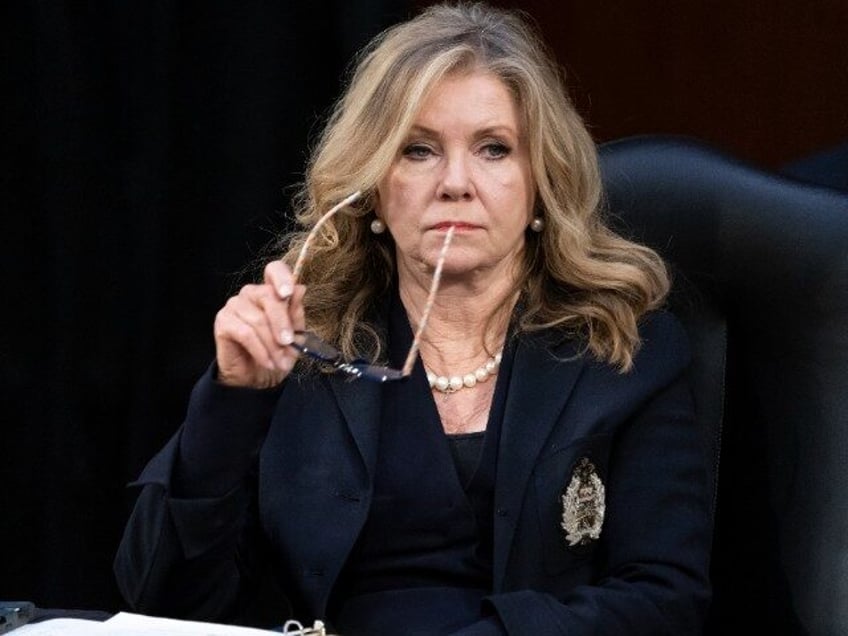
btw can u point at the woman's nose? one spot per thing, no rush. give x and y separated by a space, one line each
456 181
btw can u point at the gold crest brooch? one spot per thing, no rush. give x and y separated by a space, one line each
583 504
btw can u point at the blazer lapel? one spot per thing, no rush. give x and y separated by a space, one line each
359 401
543 378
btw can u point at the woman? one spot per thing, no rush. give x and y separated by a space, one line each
535 469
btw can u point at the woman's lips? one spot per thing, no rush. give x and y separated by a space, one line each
457 225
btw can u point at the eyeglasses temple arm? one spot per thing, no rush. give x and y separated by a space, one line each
434 286
301 257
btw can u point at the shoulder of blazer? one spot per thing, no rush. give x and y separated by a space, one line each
664 351
664 341
662 356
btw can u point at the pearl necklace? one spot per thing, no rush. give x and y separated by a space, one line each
453 383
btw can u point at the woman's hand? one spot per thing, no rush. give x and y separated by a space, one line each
255 327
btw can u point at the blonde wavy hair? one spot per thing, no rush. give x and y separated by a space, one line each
576 275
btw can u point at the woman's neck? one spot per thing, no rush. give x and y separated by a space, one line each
468 320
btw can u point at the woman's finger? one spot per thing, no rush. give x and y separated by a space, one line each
278 275
241 323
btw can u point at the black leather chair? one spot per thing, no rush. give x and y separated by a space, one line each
760 266
828 167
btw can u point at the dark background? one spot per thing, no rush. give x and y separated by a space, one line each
148 150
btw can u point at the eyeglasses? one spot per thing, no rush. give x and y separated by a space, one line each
307 343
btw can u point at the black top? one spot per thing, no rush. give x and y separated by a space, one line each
465 450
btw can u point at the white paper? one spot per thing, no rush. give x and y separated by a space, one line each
61 627
127 624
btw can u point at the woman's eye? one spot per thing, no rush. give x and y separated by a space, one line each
496 150
417 151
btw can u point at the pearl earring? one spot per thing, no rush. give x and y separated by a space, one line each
377 226
537 224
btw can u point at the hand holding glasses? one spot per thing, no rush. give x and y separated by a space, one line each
261 331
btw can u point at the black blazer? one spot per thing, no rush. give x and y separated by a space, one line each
296 519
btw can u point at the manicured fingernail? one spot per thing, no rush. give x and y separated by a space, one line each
285 291
286 337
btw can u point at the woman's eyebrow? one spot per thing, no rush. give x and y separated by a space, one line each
496 129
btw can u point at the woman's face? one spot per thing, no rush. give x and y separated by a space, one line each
464 164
